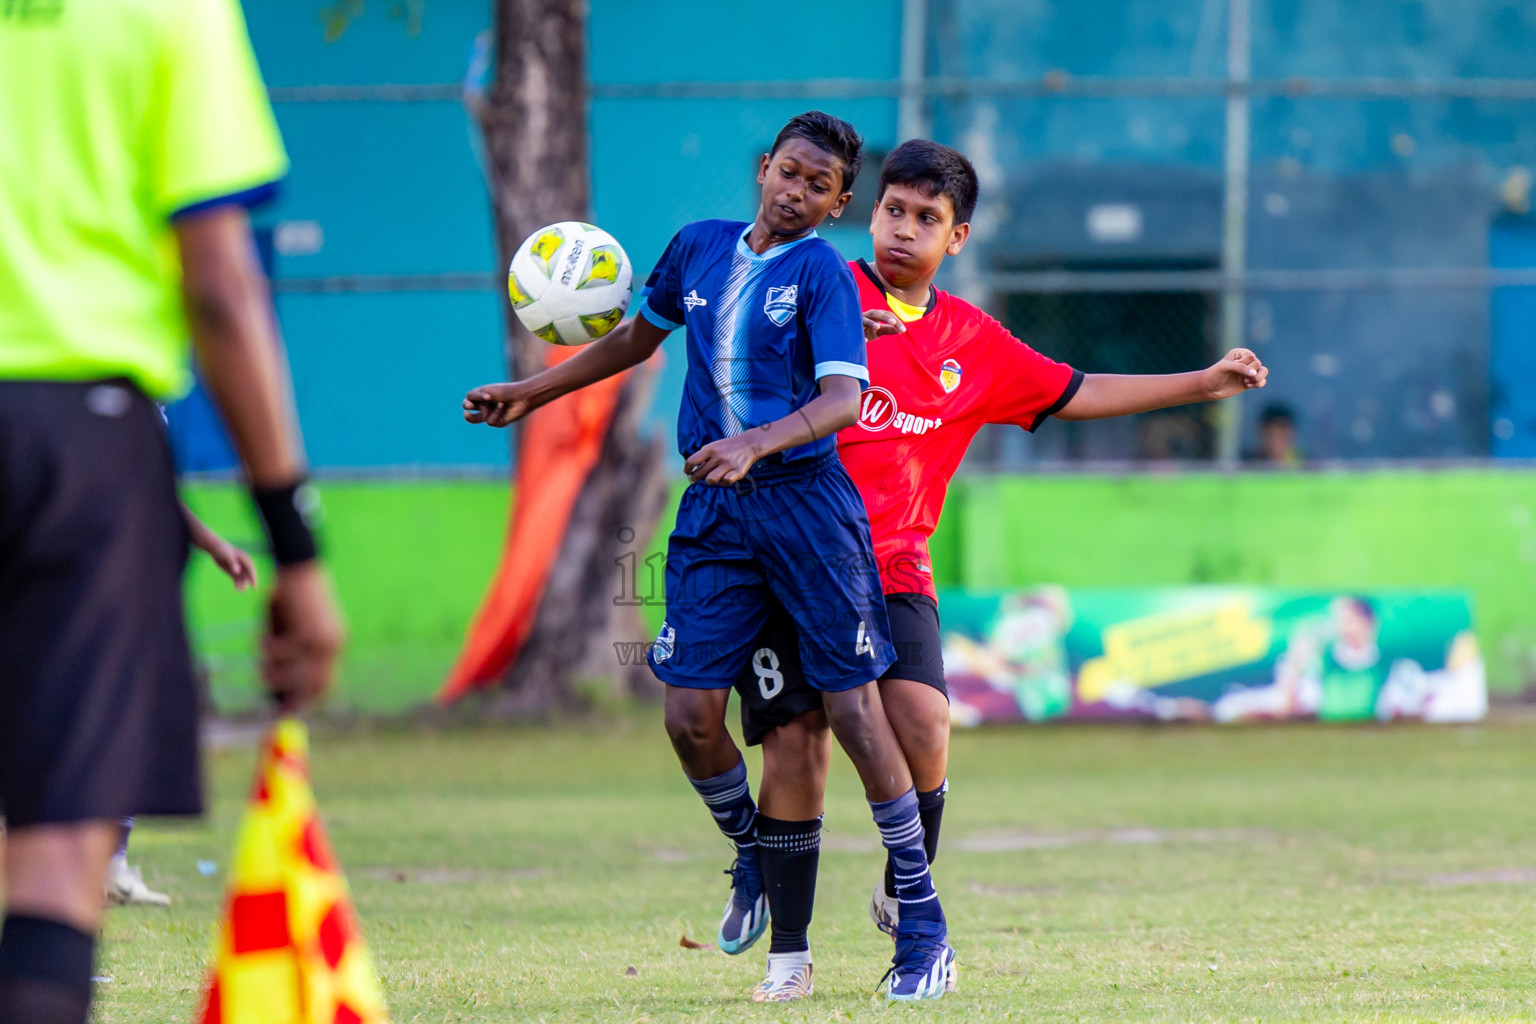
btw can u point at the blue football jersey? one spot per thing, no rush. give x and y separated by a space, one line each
762 330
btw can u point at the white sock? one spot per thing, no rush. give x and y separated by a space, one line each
782 965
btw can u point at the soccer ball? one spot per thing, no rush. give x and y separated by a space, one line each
569 283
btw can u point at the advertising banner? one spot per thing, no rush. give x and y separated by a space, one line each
1224 654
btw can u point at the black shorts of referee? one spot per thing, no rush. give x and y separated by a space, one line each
98 702
773 688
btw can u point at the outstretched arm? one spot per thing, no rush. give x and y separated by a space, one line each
1103 395
629 344
726 461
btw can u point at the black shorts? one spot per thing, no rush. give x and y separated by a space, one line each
98 702
773 689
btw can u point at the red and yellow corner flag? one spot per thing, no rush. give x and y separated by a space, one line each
289 950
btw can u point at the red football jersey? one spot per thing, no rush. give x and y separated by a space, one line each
931 389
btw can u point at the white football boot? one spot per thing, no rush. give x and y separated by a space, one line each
126 887
788 978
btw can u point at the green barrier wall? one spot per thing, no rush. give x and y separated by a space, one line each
412 559
411 562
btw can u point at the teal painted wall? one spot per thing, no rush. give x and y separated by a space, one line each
396 188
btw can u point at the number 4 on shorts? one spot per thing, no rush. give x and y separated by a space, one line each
863 645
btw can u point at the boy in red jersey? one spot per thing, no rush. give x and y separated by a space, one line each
939 370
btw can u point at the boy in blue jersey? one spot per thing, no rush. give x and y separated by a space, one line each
776 365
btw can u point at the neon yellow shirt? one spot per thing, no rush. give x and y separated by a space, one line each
115 116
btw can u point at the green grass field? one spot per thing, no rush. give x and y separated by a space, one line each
1176 874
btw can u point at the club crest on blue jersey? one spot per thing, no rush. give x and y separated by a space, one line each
780 305
949 375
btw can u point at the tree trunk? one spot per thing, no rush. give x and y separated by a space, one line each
534 122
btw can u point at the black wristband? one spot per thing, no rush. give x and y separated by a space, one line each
287 514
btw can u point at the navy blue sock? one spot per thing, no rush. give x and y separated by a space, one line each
789 852
45 971
930 807
901 830
729 799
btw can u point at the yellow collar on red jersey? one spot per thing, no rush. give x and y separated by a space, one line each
905 311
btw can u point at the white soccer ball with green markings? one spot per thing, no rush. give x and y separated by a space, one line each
569 283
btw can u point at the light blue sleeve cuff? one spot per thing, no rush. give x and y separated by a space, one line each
834 368
656 318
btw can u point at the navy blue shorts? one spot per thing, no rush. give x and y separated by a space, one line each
795 533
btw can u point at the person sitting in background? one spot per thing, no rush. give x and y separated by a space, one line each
1277 436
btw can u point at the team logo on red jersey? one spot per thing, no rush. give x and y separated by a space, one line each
949 375
876 409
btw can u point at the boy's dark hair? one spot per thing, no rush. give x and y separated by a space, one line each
1362 607
828 133
934 170
1277 412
